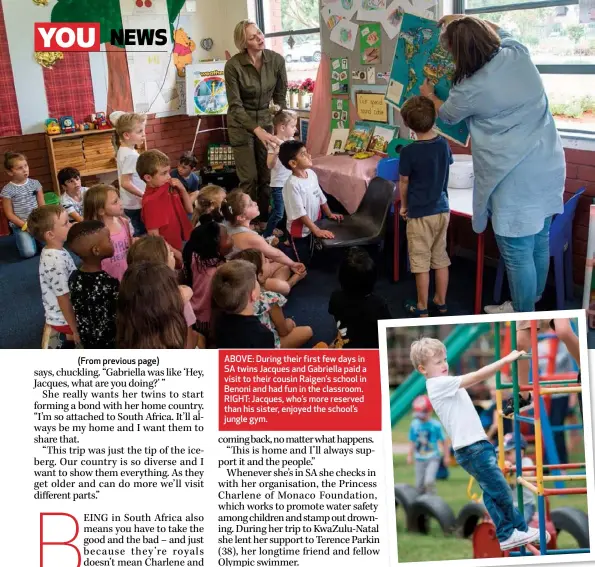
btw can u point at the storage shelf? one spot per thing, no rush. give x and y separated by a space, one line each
81 133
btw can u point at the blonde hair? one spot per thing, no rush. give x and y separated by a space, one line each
126 123
233 206
42 220
239 34
95 199
283 117
205 201
148 248
425 348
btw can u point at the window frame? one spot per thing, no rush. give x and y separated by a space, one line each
260 22
550 69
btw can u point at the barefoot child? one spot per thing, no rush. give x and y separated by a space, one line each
93 292
473 452
102 203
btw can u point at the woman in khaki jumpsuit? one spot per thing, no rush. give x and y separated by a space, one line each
253 77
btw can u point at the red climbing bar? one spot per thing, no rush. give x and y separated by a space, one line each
555 491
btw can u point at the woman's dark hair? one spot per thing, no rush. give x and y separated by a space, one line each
357 273
150 308
204 245
472 43
253 256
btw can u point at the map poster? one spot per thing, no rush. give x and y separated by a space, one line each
419 56
205 89
339 76
370 38
339 113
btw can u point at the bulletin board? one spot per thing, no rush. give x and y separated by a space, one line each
363 77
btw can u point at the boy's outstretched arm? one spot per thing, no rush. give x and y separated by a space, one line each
468 380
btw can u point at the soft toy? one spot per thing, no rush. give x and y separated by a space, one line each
183 49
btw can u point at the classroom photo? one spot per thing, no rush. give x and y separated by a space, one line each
291 175
492 438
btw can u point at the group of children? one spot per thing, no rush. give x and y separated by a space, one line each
157 232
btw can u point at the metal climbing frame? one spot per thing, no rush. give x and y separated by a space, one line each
536 479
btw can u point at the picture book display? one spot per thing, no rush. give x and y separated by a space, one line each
381 137
359 137
338 141
419 56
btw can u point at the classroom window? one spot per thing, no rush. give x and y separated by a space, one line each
561 46
299 20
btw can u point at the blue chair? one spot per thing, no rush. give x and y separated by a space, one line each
388 168
560 250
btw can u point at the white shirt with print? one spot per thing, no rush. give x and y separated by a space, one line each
55 267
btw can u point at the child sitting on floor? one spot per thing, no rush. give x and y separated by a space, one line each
205 251
93 292
268 308
473 452
284 123
185 172
355 307
150 308
303 199
235 289
130 133
102 203
20 196
71 199
166 203
151 248
208 202
50 224
423 181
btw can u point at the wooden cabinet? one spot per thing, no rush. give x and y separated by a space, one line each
91 152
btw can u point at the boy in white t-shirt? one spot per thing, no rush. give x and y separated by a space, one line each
130 129
303 198
474 453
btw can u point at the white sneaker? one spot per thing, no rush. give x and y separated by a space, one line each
506 307
517 539
535 533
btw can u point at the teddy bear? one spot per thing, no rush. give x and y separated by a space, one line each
183 49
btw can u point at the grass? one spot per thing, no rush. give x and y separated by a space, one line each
436 546
574 108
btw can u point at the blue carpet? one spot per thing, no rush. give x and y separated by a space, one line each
21 311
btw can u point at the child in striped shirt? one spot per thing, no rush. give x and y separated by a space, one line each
21 195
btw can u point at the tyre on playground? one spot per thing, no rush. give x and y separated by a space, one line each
574 522
425 508
405 494
470 515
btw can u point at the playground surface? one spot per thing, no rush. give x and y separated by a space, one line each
436 546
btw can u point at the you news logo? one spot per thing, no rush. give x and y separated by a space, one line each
87 37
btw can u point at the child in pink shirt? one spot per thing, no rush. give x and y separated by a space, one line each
205 251
102 202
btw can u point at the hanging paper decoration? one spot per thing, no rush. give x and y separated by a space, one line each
48 59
